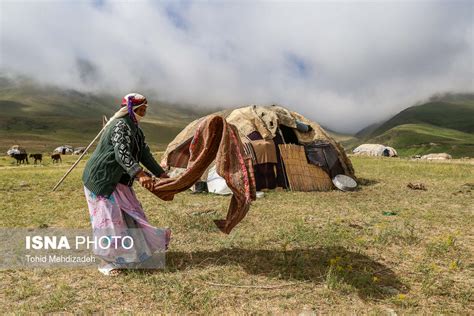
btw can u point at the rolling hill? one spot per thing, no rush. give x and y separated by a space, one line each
411 139
40 118
444 124
458 116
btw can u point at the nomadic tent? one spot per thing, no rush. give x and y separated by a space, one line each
375 150
65 149
440 156
287 149
16 149
79 150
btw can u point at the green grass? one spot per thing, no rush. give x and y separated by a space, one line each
327 252
411 139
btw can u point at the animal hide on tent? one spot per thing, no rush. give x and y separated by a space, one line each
324 155
217 140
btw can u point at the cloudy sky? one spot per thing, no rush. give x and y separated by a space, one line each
345 64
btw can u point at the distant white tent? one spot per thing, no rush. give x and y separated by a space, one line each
79 150
375 150
65 149
16 150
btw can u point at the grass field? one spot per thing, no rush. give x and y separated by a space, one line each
323 252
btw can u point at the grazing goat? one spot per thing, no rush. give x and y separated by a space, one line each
20 158
56 158
37 157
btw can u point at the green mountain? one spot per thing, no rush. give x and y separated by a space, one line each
412 139
450 112
444 124
41 118
367 131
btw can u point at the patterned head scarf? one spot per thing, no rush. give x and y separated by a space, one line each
132 101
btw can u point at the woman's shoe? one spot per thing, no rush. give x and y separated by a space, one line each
111 269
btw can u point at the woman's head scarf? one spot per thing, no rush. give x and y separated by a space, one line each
129 104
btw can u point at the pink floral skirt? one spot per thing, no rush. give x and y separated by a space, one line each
120 215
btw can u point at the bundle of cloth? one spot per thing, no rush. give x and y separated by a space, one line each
214 140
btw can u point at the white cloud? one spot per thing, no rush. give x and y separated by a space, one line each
344 64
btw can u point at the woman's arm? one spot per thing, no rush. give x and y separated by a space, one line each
150 163
122 141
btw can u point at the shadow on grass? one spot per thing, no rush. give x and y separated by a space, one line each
335 267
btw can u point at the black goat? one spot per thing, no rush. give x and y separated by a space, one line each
56 158
20 158
37 157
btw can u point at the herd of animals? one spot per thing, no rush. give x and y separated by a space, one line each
23 158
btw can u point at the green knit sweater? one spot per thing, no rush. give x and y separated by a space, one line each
116 159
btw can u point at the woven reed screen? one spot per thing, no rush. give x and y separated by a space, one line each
303 176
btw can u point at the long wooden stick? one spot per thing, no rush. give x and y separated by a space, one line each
285 177
79 159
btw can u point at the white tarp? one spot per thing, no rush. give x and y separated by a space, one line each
216 184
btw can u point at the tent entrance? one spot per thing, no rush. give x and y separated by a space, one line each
289 135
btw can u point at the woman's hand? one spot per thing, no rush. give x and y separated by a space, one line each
164 175
145 180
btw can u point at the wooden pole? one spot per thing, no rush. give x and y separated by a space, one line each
285 177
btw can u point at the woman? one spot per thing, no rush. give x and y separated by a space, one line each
113 206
